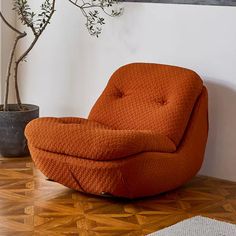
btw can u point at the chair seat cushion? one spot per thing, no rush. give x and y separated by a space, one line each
88 139
91 140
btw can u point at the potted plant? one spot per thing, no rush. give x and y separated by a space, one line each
14 117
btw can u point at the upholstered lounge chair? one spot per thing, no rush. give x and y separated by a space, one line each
146 134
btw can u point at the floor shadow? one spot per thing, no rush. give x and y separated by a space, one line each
220 158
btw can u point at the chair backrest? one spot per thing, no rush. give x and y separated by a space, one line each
146 96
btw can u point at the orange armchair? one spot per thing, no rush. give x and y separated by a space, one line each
146 134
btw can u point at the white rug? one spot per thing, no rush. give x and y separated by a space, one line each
198 226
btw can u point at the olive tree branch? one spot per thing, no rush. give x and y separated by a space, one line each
10 26
30 25
37 34
93 19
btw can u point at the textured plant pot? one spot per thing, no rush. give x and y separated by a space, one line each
12 126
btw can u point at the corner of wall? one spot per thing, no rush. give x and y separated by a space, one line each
1 77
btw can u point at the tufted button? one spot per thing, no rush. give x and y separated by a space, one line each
120 94
161 101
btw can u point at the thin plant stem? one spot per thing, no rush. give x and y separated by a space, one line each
8 76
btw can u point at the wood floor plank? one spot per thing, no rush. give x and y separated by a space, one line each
31 205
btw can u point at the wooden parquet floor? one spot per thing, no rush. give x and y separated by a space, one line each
31 205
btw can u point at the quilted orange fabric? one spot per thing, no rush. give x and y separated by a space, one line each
91 140
146 134
150 97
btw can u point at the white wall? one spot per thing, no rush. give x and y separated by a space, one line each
7 37
68 69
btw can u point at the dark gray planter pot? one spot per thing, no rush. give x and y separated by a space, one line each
12 126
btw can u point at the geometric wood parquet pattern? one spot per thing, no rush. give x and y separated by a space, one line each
31 205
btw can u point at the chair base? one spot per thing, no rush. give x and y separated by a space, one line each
117 178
